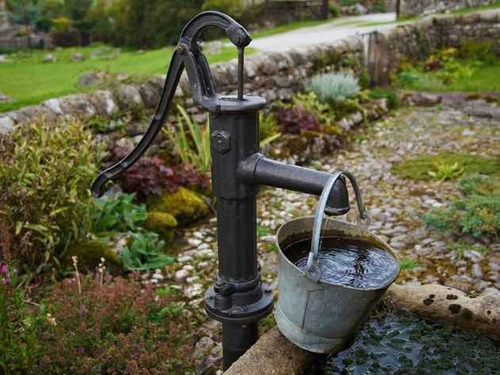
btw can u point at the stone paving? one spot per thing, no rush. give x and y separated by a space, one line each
395 205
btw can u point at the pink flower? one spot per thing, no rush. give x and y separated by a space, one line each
3 269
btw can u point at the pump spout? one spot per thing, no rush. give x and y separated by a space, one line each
260 170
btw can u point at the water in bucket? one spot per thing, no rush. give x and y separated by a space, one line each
347 262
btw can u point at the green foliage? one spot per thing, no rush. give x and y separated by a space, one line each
445 172
393 101
334 87
418 168
193 146
479 50
476 213
470 68
112 214
268 129
45 176
18 325
232 7
333 10
144 252
408 263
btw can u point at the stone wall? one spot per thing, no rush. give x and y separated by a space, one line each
275 76
411 8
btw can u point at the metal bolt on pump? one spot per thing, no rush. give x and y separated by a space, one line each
238 298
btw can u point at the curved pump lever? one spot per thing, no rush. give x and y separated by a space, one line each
187 55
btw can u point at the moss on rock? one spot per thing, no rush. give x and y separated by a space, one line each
162 223
185 205
89 255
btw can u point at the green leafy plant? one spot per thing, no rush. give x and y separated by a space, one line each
145 251
116 214
193 146
445 171
45 176
334 87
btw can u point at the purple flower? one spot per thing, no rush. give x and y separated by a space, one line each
3 269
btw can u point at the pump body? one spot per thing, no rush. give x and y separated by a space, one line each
238 297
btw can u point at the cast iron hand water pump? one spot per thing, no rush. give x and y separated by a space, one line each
238 298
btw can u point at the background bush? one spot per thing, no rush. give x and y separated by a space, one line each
45 176
334 87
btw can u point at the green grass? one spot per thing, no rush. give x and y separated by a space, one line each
29 81
484 78
287 27
419 168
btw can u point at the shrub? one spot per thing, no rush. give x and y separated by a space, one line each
18 341
476 213
334 87
296 120
189 176
45 176
478 50
114 327
148 176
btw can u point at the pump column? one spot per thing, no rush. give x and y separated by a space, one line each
238 298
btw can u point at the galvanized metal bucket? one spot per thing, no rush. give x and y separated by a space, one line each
317 316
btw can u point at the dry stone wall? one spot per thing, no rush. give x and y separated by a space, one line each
411 8
275 76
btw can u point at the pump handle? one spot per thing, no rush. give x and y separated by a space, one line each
187 55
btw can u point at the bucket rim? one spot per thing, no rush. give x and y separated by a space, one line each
386 247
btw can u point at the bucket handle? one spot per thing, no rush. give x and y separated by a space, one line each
318 220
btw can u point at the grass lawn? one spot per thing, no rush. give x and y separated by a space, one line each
486 78
30 81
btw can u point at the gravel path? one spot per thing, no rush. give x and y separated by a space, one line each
396 206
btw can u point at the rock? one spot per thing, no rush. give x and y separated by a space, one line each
194 290
425 100
476 271
3 59
5 98
77 57
6 125
162 223
441 303
88 79
185 205
49 58
181 275
473 255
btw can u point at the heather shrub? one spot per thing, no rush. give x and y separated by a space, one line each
114 326
45 176
334 87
